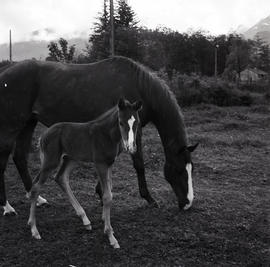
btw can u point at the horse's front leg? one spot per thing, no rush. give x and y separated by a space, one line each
5 149
138 164
20 157
104 172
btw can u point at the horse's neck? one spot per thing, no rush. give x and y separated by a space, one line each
171 129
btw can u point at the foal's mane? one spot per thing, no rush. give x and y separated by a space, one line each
106 115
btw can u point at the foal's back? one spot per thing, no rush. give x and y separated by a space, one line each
72 139
81 141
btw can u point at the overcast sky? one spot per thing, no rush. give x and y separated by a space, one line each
49 19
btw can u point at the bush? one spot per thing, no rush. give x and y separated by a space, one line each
193 89
256 87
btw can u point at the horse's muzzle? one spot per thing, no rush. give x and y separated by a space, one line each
184 205
132 149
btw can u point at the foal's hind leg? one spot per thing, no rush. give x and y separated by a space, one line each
62 179
49 164
20 156
104 172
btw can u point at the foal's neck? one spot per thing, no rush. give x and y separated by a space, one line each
109 124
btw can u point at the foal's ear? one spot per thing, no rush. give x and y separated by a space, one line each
121 103
137 105
192 148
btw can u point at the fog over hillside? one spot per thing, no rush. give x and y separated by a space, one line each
35 49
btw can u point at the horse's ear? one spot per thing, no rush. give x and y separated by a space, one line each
121 103
137 105
192 148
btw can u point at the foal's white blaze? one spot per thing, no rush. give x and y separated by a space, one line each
5 84
190 195
8 209
131 134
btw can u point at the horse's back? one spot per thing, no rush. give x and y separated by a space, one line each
81 93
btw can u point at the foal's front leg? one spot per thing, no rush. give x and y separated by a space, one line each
104 172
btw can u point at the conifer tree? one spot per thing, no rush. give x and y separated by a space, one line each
126 33
99 47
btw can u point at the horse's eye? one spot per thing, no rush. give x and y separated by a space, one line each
121 124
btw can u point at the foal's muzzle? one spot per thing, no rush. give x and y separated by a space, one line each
130 148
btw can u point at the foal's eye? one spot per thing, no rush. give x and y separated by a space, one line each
121 124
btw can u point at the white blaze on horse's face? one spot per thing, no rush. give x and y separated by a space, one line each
131 135
129 144
190 194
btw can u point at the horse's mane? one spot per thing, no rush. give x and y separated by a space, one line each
158 95
7 66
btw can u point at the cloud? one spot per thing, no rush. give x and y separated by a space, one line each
35 33
62 18
42 32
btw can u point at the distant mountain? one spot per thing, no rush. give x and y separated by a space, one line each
261 29
35 49
241 29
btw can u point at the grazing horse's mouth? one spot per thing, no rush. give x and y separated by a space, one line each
185 205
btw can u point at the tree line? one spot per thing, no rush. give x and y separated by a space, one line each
163 48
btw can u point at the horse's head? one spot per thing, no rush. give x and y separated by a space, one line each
128 123
178 172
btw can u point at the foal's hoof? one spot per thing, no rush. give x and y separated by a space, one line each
36 236
115 245
35 233
88 227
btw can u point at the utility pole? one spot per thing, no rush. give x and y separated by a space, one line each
112 27
10 47
216 51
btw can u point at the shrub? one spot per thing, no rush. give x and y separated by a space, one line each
193 89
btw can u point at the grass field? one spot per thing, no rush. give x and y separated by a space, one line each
228 224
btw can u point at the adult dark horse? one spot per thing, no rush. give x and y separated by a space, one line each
48 92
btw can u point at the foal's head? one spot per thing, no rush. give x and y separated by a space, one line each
128 123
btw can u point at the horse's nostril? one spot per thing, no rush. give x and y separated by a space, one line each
181 205
184 204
